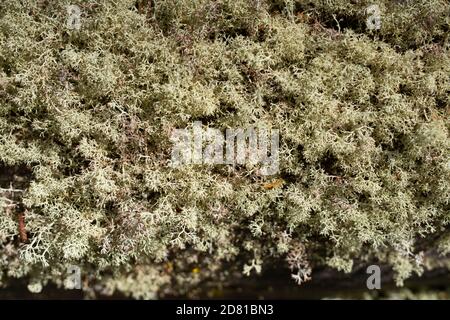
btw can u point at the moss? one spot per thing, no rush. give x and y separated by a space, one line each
364 139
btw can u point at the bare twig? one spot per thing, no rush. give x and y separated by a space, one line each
10 190
22 229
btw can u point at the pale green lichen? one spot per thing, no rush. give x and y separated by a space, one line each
87 114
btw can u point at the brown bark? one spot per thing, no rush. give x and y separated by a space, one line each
22 229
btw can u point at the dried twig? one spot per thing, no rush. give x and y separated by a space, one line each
22 230
10 190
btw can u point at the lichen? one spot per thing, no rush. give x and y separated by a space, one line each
364 139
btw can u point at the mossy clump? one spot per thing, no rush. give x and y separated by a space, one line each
86 116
